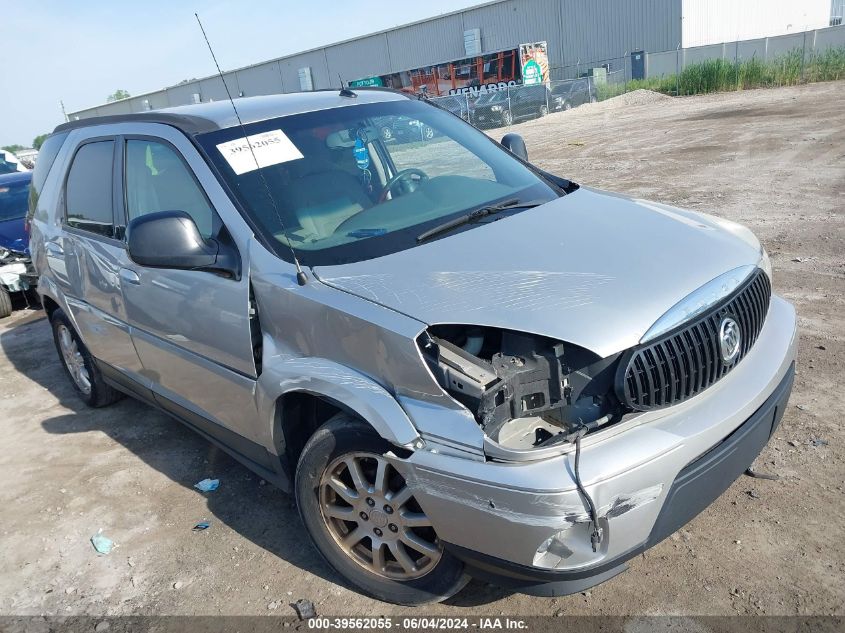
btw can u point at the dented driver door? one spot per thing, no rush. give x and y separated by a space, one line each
191 327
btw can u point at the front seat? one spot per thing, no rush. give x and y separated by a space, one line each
325 199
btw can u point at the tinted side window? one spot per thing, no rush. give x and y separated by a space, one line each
89 189
157 179
46 157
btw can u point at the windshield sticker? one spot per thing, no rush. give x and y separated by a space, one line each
268 148
362 155
361 233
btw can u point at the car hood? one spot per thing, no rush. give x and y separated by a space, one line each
591 268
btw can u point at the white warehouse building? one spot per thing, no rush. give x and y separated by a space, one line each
491 43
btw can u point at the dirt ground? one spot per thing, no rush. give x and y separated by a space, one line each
772 159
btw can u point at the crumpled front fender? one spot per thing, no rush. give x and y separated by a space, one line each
347 388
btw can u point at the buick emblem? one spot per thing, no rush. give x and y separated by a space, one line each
729 339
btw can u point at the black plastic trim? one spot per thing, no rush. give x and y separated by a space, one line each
251 454
123 383
702 481
695 487
189 124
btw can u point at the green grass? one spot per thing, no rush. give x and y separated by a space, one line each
721 75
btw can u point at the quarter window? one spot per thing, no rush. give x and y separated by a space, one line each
89 189
157 179
46 157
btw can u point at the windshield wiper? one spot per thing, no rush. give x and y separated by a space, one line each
474 216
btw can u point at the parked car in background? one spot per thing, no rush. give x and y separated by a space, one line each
504 107
456 104
16 272
10 163
416 355
570 94
405 130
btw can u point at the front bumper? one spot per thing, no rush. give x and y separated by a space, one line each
695 488
526 526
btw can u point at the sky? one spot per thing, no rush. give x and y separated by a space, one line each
80 52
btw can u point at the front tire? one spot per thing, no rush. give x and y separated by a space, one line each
5 303
79 364
365 520
507 117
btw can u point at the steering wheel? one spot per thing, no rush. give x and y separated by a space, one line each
400 176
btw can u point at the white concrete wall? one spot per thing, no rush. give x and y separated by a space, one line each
765 49
714 21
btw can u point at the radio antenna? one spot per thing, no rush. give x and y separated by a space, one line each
301 278
345 91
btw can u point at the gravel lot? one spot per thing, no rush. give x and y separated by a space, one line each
772 159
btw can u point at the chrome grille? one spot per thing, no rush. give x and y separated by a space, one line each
688 360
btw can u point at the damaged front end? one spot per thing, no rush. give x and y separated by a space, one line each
527 392
16 272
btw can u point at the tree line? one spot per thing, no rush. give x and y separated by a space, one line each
117 95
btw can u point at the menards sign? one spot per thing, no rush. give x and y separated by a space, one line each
471 76
474 91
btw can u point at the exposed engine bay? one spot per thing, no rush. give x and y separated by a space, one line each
526 391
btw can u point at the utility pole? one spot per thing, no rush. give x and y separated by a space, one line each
64 114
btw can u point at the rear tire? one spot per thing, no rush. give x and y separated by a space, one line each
79 364
5 303
346 487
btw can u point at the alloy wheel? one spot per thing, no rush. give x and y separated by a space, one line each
73 359
374 518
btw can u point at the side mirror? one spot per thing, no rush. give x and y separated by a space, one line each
516 144
171 239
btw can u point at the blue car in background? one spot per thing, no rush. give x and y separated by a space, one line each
14 196
16 272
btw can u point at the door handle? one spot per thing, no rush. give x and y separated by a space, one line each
129 276
54 249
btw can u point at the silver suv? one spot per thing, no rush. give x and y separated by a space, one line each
461 365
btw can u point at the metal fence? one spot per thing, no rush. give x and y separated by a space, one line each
765 63
487 107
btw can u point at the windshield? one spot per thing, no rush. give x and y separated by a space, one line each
492 97
13 199
362 181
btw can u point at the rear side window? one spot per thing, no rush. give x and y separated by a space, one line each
89 189
46 157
